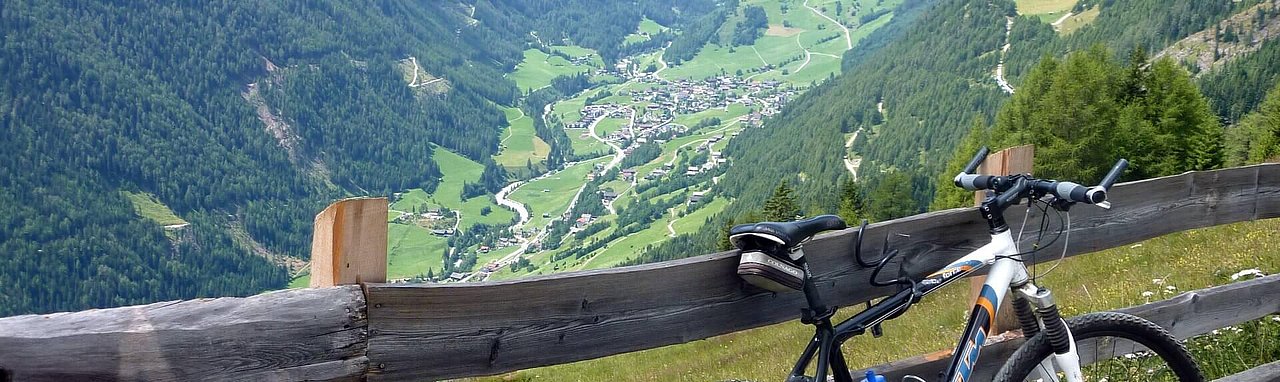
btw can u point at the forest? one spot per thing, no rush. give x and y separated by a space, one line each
244 119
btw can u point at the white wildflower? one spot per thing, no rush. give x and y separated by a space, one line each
1149 294
1170 288
1275 318
1157 281
1255 272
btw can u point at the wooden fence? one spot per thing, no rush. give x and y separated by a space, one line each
438 331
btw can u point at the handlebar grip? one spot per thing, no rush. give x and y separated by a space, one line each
977 160
976 182
1114 174
1077 193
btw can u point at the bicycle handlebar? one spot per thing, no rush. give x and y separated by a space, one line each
1063 190
977 160
1114 174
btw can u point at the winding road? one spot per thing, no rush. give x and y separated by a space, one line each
1004 50
505 201
807 55
618 156
848 41
852 164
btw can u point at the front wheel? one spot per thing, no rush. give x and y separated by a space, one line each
1112 347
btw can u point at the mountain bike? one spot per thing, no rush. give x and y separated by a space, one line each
1104 346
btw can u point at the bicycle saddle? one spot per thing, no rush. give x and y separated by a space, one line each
787 235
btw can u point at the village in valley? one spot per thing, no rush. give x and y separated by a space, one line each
650 142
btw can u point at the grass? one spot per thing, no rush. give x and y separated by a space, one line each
818 69
300 282
412 250
610 125
147 206
1076 22
1041 7
696 220
628 246
538 68
577 51
457 170
520 143
560 187
1106 280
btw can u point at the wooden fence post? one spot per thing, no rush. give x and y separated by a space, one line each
1013 160
349 245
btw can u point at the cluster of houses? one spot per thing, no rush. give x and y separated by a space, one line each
431 218
716 159
687 97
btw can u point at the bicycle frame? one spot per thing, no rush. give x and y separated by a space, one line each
1006 273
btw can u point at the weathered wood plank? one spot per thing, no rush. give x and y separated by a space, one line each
349 244
1199 312
1185 315
1266 373
307 334
420 332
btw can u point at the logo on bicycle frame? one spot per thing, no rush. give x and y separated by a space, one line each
942 276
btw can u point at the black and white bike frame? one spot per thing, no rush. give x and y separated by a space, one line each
1006 273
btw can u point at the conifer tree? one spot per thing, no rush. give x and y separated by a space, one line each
781 206
1263 129
892 198
851 201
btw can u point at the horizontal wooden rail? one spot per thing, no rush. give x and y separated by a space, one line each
439 331
290 335
423 331
1268 372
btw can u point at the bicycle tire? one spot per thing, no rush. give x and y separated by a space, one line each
1092 329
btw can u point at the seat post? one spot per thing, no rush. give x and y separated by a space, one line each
817 310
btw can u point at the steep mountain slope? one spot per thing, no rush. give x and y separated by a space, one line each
239 117
915 91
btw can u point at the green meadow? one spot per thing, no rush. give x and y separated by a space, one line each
552 195
520 143
147 206
538 68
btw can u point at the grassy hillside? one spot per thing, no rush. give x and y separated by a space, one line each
520 144
1109 279
149 207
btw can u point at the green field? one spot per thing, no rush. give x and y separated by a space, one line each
1078 21
411 250
696 220
457 170
538 68
646 26
560 189
584 144
520 143
147 206
1053 8
1107 280
609 126
577 51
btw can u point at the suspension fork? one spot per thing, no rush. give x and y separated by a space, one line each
1037 312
